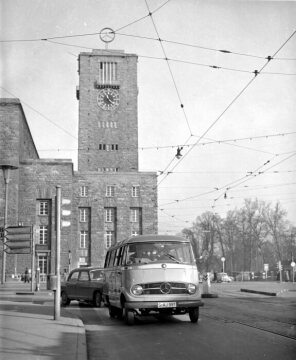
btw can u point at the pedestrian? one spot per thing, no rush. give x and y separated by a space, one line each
26 275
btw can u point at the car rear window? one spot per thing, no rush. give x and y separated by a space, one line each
96 274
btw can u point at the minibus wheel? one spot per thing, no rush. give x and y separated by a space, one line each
129 317
194 314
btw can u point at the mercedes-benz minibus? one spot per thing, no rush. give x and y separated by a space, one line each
151 275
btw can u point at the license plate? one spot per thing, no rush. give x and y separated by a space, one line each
167 304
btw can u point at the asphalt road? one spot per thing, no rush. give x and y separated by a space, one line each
233 326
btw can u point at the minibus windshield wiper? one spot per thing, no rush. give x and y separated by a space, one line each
172 258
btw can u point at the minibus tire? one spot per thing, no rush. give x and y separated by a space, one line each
194 314
97 299
129 317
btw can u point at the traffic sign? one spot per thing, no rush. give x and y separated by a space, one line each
18 231
279 265
266 267
18 239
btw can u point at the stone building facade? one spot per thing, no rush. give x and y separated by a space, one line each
107 199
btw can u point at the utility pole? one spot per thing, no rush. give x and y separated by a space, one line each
57 292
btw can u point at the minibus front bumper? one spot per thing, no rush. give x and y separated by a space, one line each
181 304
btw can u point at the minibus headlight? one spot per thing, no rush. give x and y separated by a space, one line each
137 290
191 288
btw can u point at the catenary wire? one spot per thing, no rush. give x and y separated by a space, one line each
229 105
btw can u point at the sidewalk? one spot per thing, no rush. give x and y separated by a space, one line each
28 329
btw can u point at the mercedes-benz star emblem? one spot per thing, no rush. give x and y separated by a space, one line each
165 288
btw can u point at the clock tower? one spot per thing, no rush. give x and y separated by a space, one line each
108 118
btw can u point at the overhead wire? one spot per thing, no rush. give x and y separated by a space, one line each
230 104
170 70
117 32
235 183
211 66
39 113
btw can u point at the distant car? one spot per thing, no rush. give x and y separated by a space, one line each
223 277
243 276
85 285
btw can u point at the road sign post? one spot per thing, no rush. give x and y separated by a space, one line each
293 266
266 268
223 260
280 267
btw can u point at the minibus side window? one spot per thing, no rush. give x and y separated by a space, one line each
112 256
119 256
107 259
116 258
123 256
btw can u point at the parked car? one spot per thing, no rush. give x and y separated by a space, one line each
243 276
85 285
223 277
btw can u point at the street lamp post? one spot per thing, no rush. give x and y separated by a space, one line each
223 260
6 174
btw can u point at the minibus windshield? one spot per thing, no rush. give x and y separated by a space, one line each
164 251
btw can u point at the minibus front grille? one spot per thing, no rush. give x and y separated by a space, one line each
157 288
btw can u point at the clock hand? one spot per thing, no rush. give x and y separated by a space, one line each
109 99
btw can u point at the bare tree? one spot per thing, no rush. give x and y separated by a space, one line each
276 224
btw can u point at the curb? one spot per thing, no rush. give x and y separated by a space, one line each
41 293
81 345
259 292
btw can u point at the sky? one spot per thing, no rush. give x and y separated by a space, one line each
215 78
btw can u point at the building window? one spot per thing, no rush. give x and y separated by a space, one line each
43 207
135 215
107 124
110 190
108 72
83 215
135 191
108 147
109 214
83 191
109 236
107 169
43 234
82 261
83 239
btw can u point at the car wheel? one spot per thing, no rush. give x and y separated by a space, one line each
119 313
129 317
194 314
64 299
97 300
112 311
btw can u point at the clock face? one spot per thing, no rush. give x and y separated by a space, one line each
108 99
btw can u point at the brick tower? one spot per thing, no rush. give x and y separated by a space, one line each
108 119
